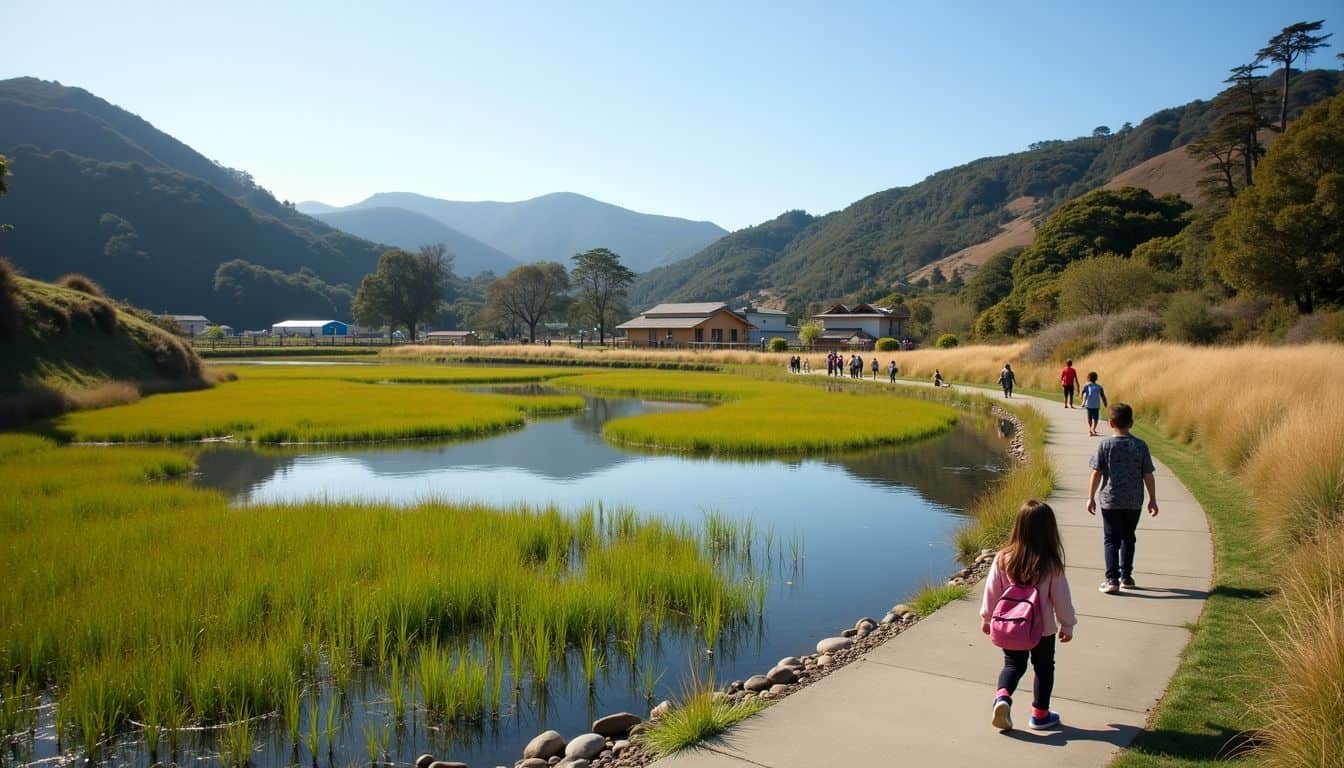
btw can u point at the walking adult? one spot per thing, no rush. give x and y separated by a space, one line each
1068 379
1007 379
874 367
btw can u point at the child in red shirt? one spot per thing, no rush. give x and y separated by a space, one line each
1068 378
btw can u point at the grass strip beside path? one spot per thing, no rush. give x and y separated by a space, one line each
1206 709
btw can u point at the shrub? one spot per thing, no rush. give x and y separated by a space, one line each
779 345
11 307
1130 326
1103 285
1318 326
104 315
887 344
809 332
173 359
1070 338
947 341
77 282
1190 319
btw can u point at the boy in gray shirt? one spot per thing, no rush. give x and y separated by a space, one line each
1122 468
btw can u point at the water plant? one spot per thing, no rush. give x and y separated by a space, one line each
698 716
758 416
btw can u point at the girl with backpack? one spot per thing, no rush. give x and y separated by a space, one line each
1026 605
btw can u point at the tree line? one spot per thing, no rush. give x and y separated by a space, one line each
410 290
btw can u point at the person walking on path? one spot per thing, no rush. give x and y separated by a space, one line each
1027 604
891 372
937 378
1068 378
874 366
1094 398
1122 469
1007 379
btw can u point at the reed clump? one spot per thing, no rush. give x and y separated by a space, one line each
178 608
698 716
760 416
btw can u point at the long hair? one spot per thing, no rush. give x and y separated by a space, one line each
1033 551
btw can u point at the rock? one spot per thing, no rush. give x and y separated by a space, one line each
866 621
545 745
574 762
863 632
735 686
424 761
778 690
766 695
757 683
789 661
965 572
662 708
585 746
719 696
554 760
616 726
954 582
832 644
619 747
849 632
889 618
782 675
533 762
824 660
900 609
447 764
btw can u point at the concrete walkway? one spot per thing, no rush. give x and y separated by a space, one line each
924 697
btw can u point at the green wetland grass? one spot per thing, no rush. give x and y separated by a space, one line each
139 602
400 373
761 416
272 407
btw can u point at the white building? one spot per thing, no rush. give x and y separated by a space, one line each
191 325
770 324
860 325
310 328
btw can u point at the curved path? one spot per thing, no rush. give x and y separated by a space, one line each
923 698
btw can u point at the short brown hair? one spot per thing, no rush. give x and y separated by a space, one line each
1122 416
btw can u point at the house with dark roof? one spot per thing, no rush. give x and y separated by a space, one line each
770 324
860 325
709 324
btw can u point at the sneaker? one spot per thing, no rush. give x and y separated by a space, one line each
1042 723
1109 587
1127 582
1003 714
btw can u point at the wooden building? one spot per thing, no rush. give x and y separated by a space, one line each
707 324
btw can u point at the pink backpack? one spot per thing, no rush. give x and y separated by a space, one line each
1016 623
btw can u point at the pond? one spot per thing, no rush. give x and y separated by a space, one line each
851 535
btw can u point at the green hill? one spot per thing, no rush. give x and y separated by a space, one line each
57 337
97 190
872 244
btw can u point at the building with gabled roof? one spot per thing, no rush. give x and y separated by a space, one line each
691 324
861 324
770 324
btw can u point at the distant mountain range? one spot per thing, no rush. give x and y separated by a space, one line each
410 230
552 227
876 243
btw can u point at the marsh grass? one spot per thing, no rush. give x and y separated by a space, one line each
182 609
698 716
931 597
283 410
759 416
401 373
993 512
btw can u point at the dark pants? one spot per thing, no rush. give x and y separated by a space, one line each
1118 526
1042 659
1068 395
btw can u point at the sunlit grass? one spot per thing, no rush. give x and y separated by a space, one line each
401 373
994 511
762 417
931 597
284 410
698 716
175 607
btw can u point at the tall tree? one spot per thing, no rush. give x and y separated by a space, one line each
1285 236
1284 48
1244 115
1220 151
406 290
4 171
602 281
530 293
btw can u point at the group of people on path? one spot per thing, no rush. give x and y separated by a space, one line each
1027 604
837 364
1092 393
799 364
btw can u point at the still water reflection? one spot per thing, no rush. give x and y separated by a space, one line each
873 527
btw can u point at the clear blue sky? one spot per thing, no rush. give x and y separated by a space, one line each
732 112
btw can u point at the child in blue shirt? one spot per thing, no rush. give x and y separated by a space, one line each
1094 397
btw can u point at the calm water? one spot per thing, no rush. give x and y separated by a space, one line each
871 527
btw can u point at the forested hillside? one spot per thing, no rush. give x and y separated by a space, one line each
873 243
96 189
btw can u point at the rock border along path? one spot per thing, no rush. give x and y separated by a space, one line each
924 698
